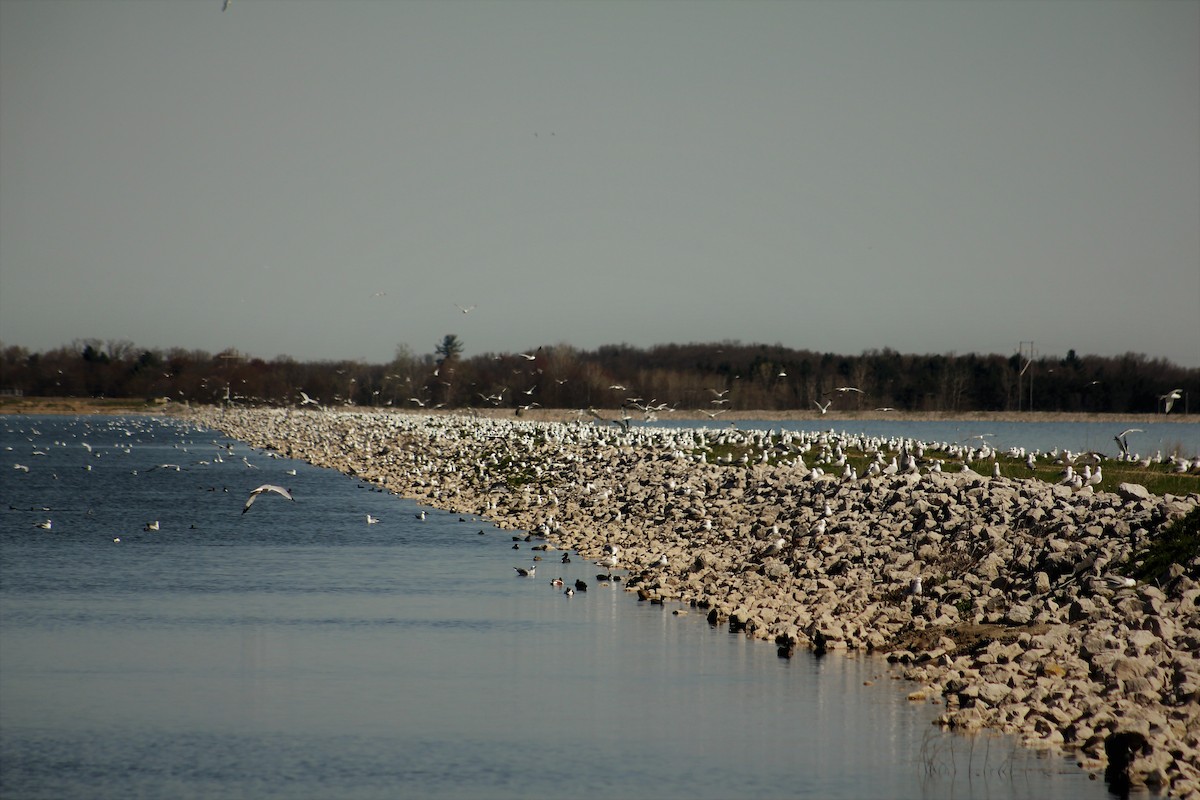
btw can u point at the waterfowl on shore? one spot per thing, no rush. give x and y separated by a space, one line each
1116 582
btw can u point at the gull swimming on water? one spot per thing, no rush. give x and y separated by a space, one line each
266 487
372 520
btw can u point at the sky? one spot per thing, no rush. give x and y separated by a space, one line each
333 180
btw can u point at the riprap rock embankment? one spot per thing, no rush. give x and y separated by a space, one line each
1017 620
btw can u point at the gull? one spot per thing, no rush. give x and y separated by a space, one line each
21 467
1120 439
823 408
772 549
719 394
379 294
372 520
47 525
528 356
305 400
224 7
713 414
526 573
914 588
1169 399
421 515
844 389
618 387
151 526
1116 582
266 487
466 310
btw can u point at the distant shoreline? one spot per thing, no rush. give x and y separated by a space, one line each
115 406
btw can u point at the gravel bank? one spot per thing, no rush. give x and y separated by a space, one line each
999 595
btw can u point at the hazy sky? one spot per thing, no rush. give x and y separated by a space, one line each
838 176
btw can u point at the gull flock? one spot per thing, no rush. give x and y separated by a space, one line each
776 535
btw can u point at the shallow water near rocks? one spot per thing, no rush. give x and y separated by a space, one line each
296 651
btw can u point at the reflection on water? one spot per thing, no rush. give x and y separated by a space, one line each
295 651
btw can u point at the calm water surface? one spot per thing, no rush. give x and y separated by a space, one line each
296 651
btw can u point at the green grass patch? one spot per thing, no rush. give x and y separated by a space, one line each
1178 544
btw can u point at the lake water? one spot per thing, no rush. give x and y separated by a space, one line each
295 651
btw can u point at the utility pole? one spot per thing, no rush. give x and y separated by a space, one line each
1028 362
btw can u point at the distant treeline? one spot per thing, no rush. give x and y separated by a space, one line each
712 377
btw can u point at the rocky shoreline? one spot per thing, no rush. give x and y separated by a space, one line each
1000 596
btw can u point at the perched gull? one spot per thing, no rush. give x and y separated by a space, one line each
266 487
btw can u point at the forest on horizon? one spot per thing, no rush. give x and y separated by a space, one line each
712 377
